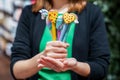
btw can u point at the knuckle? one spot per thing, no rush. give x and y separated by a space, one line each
64 56
47 49
59 43
64 50
49 43
50 55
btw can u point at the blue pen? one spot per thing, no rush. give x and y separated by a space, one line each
63 32
66 34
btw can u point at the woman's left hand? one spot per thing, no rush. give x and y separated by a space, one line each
54 64
59 64
69 64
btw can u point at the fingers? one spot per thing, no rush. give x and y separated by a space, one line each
54 64
55 49
57 55
40 66
57 44
58 65
55 52
49 65
71 62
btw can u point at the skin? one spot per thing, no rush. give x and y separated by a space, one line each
31 65
54 57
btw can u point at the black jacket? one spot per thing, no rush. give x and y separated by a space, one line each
90 42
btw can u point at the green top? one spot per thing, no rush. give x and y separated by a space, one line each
49 74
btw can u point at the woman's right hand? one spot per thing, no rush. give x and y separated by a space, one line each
53 55
56 49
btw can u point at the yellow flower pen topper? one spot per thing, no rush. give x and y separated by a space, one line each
68 18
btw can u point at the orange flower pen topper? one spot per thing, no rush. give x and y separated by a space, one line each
52 16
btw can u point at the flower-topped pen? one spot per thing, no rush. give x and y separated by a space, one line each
68 18
58 23
52 16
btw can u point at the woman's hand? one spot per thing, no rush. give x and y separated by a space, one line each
58 65
51 57
54 64
69 64
56 49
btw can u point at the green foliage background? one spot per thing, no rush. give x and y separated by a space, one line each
111 10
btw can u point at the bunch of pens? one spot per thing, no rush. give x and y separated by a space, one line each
59 24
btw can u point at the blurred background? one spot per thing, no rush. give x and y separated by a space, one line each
10 11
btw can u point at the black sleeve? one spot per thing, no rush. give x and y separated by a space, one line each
21 47
99 49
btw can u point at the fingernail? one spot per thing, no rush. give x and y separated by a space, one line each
67 44
40 65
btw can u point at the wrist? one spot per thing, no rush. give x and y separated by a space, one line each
34 60
82 69
75 66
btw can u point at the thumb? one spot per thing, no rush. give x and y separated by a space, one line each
40 66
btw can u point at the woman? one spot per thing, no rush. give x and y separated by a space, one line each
69 36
